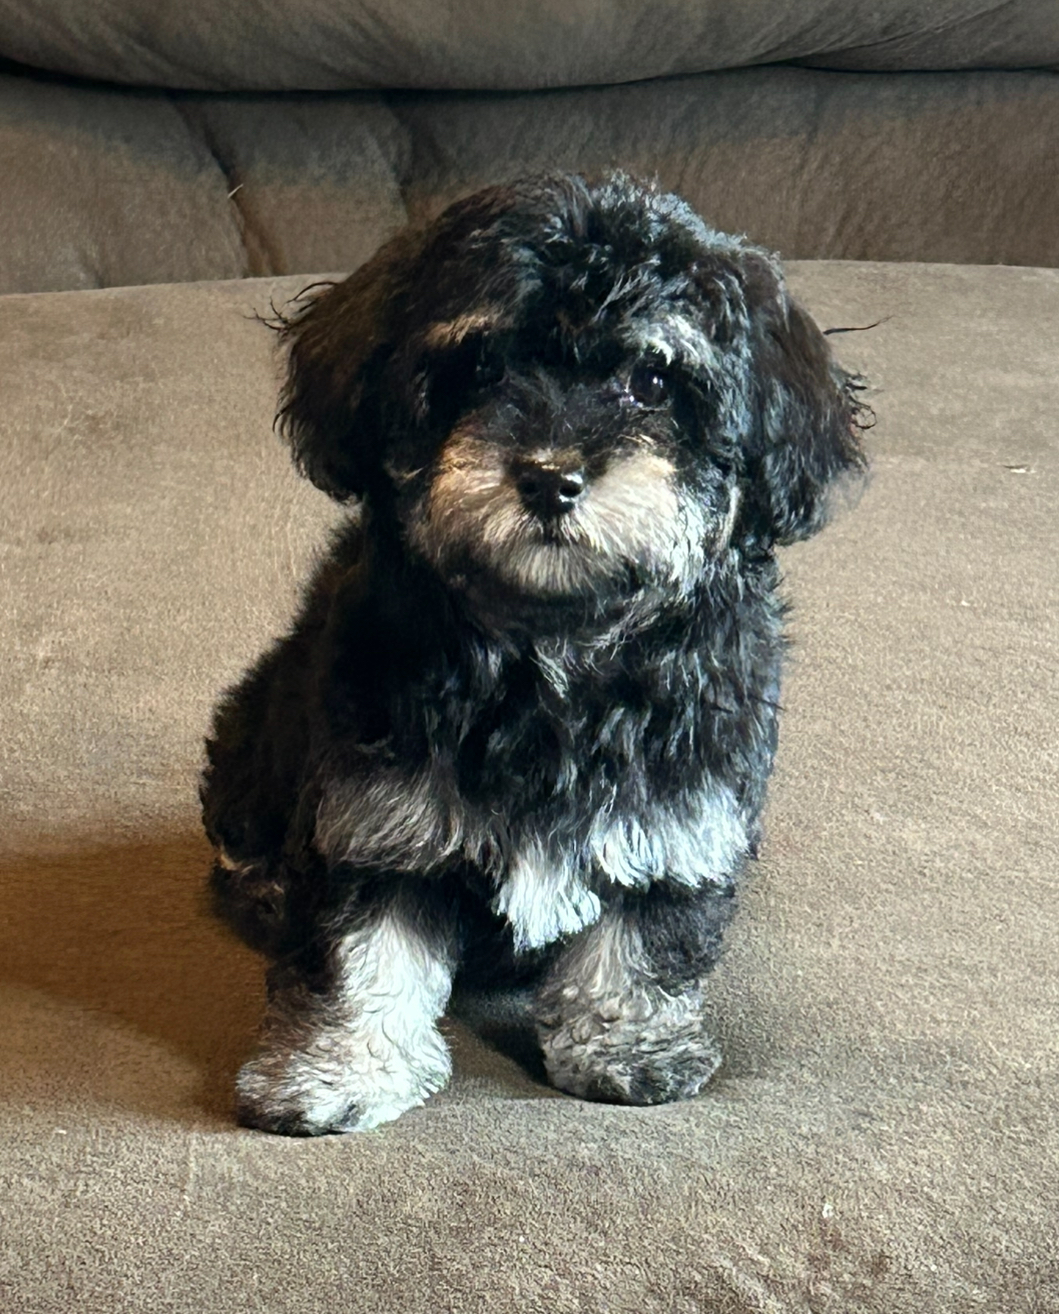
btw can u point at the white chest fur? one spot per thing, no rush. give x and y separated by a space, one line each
548 877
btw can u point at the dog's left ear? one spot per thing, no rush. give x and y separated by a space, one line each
338 342
806 421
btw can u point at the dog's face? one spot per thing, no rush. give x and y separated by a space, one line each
563 392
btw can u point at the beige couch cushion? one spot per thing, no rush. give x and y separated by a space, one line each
883 1135
347 44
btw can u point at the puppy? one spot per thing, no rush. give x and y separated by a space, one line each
524 720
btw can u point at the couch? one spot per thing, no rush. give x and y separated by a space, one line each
884 1134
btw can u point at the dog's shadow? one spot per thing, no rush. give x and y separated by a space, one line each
123 932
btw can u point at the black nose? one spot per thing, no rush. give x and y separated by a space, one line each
548 490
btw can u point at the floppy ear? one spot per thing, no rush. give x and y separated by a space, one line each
338 343
806 418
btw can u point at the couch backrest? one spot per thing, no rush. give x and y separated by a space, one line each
492 45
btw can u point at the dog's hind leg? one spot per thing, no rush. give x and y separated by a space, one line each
620 1016
256 899
353 1042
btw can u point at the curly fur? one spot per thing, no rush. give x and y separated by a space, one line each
535 682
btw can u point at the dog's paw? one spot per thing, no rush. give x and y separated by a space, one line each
343 1081
651 1052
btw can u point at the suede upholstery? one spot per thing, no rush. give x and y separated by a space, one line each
106 185
882 1137
329 45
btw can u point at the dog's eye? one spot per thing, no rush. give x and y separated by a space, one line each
488 366
648 385
455 376
476 363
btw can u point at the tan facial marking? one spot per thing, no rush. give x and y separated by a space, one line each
632 514
451 332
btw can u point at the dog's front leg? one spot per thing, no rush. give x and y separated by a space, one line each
355 1043
620 1015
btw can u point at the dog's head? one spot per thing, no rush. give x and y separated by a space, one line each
565 391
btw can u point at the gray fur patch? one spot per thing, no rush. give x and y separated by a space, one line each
362 1054
675 337
544 896
697 842
545 881
608 1032
388 819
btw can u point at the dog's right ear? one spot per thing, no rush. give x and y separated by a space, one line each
338 343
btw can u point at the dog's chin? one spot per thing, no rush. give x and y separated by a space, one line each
554 576
553 588
547 565
544 585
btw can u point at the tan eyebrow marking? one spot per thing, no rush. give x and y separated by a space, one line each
451 332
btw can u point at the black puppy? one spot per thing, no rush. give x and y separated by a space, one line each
532 694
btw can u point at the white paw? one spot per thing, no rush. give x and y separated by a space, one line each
343 1079
361 1052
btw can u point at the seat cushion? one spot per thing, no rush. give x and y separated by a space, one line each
882 1135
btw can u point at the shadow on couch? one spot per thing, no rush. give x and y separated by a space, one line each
124 934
